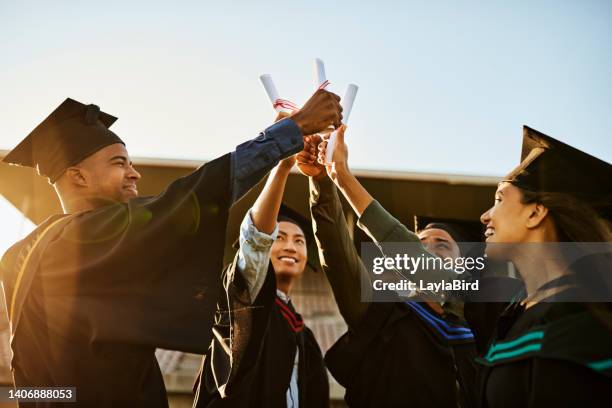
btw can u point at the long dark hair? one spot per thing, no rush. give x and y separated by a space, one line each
575 220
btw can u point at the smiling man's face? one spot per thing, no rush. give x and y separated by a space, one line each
110 175
288 253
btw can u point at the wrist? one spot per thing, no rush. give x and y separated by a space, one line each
342 175
299 122
283 168
343 170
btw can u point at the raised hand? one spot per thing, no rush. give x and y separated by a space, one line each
319 112
339 161
307 158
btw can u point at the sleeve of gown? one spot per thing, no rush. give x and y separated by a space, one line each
560 383
382 227
252 160
344 359
337 253
156 261
248 322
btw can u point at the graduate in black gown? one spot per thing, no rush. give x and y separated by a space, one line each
92 292
554 348
548 350
413 353
263 354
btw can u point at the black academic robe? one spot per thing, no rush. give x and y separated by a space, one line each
117 282
552 354
404 354
482 308
265 337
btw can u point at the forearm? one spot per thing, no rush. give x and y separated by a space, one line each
265 210
338 255
383 228
252 160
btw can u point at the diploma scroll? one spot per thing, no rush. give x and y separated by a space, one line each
321 81
347 106
279 104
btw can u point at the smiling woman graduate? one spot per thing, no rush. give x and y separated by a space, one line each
91 293
550 350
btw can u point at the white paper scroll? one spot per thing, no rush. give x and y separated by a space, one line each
348 101
268 84
279 105
321 82
320 77
347 106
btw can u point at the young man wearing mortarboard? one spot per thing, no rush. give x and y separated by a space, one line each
553 347
263 354
92 292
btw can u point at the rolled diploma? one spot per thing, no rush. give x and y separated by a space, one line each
268 84
320 79
347 106
319 71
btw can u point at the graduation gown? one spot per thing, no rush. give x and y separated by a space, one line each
251 358
552 354
110 285
404 354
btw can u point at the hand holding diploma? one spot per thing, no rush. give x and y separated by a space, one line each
339 158
279 104
322 110
347 104
307 159
322 113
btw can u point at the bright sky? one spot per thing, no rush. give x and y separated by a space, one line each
14 225
445 86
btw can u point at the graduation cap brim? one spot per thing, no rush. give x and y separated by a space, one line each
72 132
549 165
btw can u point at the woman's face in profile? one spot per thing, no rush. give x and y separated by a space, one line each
507 220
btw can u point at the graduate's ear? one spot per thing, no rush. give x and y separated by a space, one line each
537 215
77 176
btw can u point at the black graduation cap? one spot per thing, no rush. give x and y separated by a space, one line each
467 233
288 214
548 165
72 132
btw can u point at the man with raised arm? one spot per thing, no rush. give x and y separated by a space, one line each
93 291
262 353
394 353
